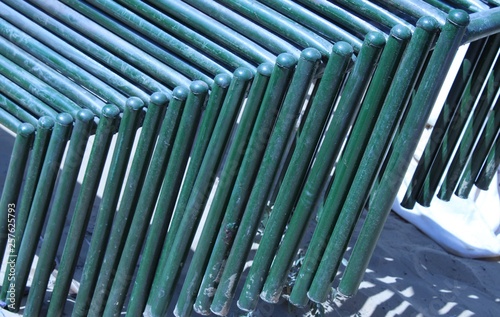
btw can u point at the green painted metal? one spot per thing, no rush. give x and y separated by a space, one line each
173 256
129 200
470 5
462 83
113 43
41 200
344 115
438 4
320 25
8 120
328 153
59 210
48 75
167 199
482 24
12 185
273 42
227 178
14 109
25 99
37 87
407 140
490 167
81 214
416 9
478 157
40 144
108 205
457 124
154 33
470 134
276 22
273 98
183 138
83 53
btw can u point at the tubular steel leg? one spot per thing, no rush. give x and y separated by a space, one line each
173 258
470 134
83 208
107 208
490 167
226 182
178 123
38 211
343 117
484 144
128 202
403 149
168 195
273 98
327 154
57 215
42 137
12 185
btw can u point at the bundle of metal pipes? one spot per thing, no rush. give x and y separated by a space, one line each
256 102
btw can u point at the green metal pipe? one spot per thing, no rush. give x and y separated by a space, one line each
346 110
40 205
109 202
18 112
84 53
438 4
58 213
50 76
470 5
468 69
227 178
128 203
173 257
185 32
12 186
81 214
416 9
457 124
8 120
320 25
273 99
113 43
63 65
248 28
327 154
470 134
302 155
407 140
186 130
478 157
482 24
167 199
490 167
153 33
274 21
26 100
42 137
37 87
351 22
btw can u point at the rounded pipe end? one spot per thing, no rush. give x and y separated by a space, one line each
243 73
159 98
85 115
198 87
265 69
310 54
179 93
64 119
458 17
134 103
222 80
286 60
46 122
375 39
401 32
25 129
342 48
427 23
110 111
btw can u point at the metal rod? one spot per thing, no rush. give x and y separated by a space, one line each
227 178
490 167
407 140
328 153
173 257
273 99
40 205
58 213
109 202
128 203
18 112
81 214
167 199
